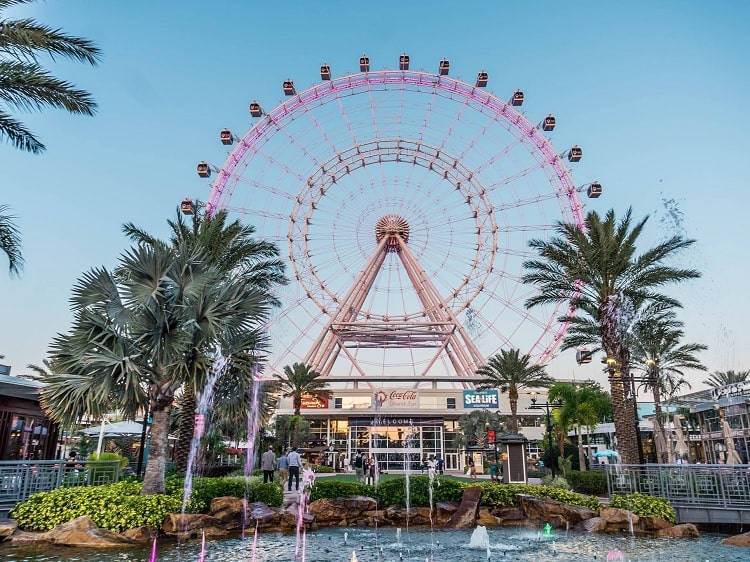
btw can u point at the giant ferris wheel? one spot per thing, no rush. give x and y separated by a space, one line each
403 202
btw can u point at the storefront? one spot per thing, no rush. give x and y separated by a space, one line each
26 433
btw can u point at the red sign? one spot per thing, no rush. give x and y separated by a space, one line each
491 436
309 401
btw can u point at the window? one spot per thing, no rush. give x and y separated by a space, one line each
337 402
450 403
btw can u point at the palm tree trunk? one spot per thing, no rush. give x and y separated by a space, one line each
581 455
187 428
657 414
514 414
153 479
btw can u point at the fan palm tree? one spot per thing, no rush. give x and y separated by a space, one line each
657 352
510 371
231 248
598 271
10 241
580 406
717 379
133 341
25 85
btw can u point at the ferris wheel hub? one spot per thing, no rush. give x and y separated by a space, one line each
395 228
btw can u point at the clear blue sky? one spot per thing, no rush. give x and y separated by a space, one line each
656 93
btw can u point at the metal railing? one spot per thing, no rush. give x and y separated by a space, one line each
21 479
708 485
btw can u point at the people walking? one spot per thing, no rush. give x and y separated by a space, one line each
472 469
359 467
440 465
295 462
346 464
267 464
371 470
283 466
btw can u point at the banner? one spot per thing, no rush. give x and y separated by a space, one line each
314 402
481 399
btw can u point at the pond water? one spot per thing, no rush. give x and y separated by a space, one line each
388 545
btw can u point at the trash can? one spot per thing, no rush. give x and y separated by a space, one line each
513 450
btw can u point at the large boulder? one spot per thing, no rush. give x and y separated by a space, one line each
511 516
144 534
652 523
83 532
557 514
444 511
192 526
737 540
465 516
7 528
619 520
683 531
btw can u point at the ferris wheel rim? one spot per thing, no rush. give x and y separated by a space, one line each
503 112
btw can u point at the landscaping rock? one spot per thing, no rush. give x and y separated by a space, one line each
444 511
465 516
619 520
192 526
83 532
593 525
651 523
511 516
7 528
683 531
737 540
557 514
145 534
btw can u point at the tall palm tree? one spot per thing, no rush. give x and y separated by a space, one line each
10 241
133 339
657 352
580 406
723 378
232 248
300 380
598 271
25 85
509 370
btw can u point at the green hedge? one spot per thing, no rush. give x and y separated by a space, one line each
504 495
114 506
206 489
642 504
592 482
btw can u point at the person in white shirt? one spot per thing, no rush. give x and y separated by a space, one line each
295 462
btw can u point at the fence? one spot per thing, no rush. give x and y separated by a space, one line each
21 479
704 485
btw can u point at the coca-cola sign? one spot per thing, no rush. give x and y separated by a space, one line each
401 398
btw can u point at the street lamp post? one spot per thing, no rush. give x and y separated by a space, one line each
546 407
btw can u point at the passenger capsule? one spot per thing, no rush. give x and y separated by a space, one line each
225 136
595 190
325 72
482 78
203 170
289 88
517 98
583 355
255 109
364 64
444 67
187 207
549 123
403 62
575 153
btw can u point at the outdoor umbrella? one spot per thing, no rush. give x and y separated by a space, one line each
607 453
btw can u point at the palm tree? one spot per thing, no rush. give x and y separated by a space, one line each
133 341
580 406
657 351
301 380
232 249
474 426
598 272
26 85
723 378
10 241
510 371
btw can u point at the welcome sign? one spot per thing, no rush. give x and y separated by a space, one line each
481 399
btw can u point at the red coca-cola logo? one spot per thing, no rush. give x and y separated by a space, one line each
403 395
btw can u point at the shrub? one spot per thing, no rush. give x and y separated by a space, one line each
393 492
556 482
321 468
642 504
206 489
114 506
504 495
325 488
592 482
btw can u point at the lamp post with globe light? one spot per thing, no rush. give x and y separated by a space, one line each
546 407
